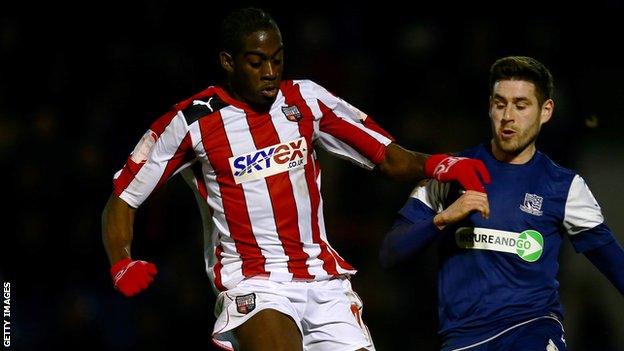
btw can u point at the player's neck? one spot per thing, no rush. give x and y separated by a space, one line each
519 158
233 94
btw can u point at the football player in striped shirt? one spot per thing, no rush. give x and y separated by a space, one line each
497 285
248 148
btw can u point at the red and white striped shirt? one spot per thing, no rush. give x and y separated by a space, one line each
259 176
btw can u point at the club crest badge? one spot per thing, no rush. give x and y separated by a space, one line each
246 303
292 113
532 204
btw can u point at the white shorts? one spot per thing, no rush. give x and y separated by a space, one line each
328 313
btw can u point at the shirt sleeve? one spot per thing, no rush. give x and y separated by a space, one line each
430 195
163 151
583 219
414 229
345 131
609 259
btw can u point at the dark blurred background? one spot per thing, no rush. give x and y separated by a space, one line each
79 85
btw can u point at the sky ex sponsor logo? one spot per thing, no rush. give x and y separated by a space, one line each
269 161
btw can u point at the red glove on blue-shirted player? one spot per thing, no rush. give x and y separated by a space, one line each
130 277
468 172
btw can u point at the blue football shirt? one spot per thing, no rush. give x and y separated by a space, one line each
498 272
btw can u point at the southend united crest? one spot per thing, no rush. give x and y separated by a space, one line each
532 204
292 113
246 303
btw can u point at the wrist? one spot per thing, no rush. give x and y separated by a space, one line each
432 163
119 265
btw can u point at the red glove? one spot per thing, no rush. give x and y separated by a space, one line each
470 173
130 277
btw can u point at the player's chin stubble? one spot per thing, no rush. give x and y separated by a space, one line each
518 143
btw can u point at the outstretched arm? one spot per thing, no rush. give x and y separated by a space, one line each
401 164
348 132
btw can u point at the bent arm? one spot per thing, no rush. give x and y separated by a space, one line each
401 164
117 224
418 224
406 238
404 165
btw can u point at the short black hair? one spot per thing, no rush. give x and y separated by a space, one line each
523 68
239 24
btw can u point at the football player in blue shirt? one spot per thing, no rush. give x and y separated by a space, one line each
497 284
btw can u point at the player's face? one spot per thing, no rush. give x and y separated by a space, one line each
255 73
516 119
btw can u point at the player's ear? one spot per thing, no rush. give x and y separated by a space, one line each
547 110
227 61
